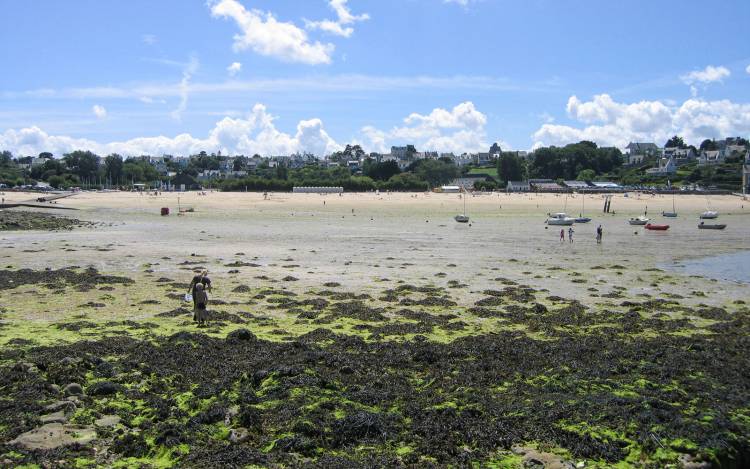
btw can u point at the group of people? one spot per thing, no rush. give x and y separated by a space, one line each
199 288
599 234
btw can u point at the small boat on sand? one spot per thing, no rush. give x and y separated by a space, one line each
709 215
581 218
655 227
640 221
560 219
711 226
673 213
462 218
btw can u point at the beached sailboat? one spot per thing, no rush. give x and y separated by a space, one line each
581 218
462 218
709 215
673 213
560 219
655 227
640 221
711 226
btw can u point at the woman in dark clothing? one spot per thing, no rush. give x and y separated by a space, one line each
200 279
200 297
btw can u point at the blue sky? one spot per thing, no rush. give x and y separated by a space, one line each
144 76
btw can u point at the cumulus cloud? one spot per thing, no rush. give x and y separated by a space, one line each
256 133
265 35
461 129
234 68
708 75
99 111
748 69
184 87
148 39
338 27
611 123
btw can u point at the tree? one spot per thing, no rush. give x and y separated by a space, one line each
435 172
281 171
6 158
83 164
675 141
239 163
708 145
382 171
46 155
113 167
510 168
586 175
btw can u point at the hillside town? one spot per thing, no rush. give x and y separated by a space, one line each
714 165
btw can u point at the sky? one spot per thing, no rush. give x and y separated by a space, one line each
275 77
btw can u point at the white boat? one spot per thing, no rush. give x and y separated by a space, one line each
462 218
581 218
673 213
709 215
639 220
560 219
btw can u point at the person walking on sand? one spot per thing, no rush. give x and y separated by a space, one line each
599 234
562 235
202 280
570 234
200 313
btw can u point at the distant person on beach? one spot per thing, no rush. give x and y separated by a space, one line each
202 280
200 297
570 234
599 233
562 235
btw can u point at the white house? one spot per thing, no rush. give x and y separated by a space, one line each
518 186
667 165
711 157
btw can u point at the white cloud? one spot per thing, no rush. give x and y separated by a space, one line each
254 134
339 26
99 111
184 87
616 124
149 39
461 129
463 3
262 33
708 75
234 68
748 69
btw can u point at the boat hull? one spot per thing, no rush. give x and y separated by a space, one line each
582 220
669 214
711 227
651 227
461 219
560 222
638 222
709 215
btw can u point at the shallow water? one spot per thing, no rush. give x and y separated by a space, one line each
734 267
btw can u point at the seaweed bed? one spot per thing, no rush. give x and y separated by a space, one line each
12 220
641 384
330 400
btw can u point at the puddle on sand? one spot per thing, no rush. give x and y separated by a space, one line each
734 267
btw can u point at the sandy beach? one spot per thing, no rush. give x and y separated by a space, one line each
370 280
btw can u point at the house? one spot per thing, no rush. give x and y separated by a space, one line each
467 181
681 156
545 185
482 159
746 174
711 157
184 182
518 186
639 151
639 148
666 166
577 185
462 160
606 185
209 174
